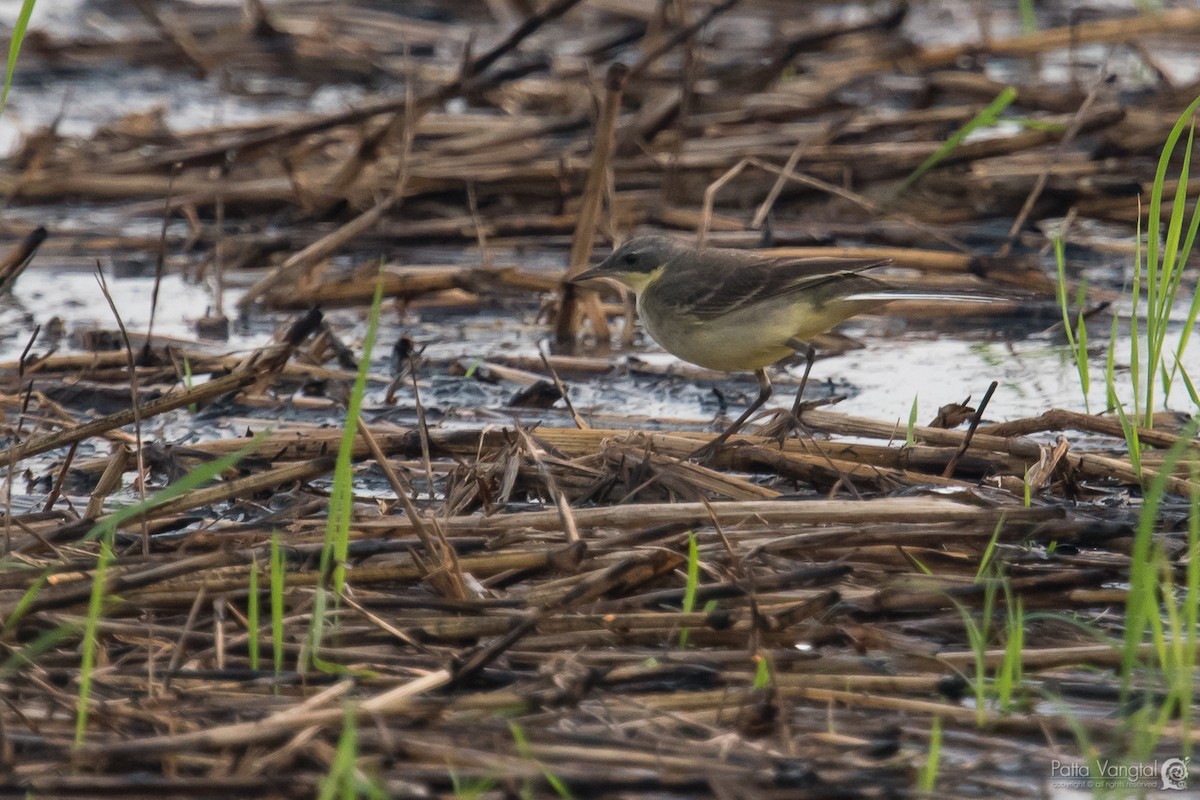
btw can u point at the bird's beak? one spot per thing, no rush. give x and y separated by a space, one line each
601 270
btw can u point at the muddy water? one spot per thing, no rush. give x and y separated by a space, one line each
894 365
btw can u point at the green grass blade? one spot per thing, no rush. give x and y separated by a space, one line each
1191 614
1135 358
1110 366
278 578
1082 365
105 529
1028 16
336 547
1170 274
1076 334
1132 437
252 614
1189 323
987 116
1187 381
309 654
90 633
762 673
1008 679
1141 600
985 562
693 581
927 774
526 752
14 48
1157 264
340 782
1128 424
26 600
910 438
197 477
45 641
1171 656
341 499
1171 245
978 641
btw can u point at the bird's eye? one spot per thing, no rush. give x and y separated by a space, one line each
630 259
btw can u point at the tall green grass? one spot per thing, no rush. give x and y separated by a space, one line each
1142 605
1003 690
1164 267
1159 688
1154 366
1173 634
1154 363
336 547
341 499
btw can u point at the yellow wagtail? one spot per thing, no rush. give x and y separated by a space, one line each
731 310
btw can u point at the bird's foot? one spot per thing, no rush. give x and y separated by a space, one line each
782 426
706 453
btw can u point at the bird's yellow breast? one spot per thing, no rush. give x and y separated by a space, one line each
746 339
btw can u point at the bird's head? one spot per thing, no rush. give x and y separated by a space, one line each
634 264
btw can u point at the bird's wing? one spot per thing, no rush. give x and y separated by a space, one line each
711 285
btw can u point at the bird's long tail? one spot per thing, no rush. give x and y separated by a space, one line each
981 296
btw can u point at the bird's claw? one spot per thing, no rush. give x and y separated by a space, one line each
783 426
705 453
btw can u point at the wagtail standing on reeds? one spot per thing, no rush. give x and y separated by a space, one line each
731 310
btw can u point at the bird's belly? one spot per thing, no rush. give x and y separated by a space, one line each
742 340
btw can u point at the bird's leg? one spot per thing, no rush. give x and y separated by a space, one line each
810 355
784 423
764 394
